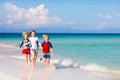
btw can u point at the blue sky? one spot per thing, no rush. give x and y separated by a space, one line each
81 16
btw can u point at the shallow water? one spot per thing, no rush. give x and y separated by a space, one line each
100 51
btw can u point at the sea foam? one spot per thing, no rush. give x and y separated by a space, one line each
55 61
94 67
68 63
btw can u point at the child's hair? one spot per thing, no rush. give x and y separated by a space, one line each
25 33
31 32
44 35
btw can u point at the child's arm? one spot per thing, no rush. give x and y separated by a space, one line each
52 50
39 43
21 44
40 46
27 43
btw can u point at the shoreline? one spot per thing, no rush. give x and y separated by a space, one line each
13 68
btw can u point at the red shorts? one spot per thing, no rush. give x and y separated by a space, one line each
26 51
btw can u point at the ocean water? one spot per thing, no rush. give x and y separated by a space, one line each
90 51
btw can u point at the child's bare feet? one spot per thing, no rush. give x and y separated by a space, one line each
40 59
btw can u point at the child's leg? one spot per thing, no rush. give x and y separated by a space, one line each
26 57
29 58
29 55
44 59
32 62
47 62
34 58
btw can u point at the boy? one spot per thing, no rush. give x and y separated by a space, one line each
46 50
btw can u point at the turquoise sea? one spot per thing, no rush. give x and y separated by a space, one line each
98 50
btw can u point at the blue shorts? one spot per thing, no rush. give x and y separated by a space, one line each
46 56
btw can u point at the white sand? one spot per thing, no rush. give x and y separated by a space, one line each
13 68
6 77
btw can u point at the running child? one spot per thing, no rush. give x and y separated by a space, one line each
46 45
26 49
35 43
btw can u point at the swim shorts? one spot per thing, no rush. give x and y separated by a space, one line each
26 51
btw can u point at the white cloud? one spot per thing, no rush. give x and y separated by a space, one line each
110 20
109 16
13 13
36 16
30 17
55 18
106 16
101 25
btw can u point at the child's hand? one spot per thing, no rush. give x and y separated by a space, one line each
25 44
29 43
19 47
53 54
41 48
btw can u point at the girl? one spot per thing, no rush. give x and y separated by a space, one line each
34 46
26 49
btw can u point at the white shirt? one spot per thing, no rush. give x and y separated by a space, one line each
34 42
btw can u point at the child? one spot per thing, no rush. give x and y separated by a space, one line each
34 46
46 50
26 49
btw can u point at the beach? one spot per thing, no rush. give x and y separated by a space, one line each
60 40
13 68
